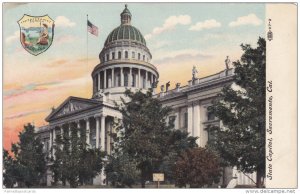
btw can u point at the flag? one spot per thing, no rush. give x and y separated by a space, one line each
92 28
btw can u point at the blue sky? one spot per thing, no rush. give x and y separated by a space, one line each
146 16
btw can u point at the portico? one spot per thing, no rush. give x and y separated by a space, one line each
92 119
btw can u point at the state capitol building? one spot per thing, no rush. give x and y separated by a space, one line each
125 63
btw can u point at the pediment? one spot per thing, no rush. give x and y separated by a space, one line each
72 105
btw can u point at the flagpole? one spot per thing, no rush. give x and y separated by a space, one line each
87 41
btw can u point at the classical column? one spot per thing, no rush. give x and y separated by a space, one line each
98 82
104 79
70 130
108 138
130 77
54 143
87 131
78 127
103 177
61 131
151 78
190 119
177 119
122 76
196 118
146 73
50 142
139 78
97 131
113 77
103 132
54 136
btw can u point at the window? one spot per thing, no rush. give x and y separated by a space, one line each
211 135
47 145
143 57
133 80
118 81
126 79
172 121
139 56
210 114
107 57
113 55
185 122
126 54
133 55
119 55
97 81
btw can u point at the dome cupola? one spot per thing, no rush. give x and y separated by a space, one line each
125 16
125 62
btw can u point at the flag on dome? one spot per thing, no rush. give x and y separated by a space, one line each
92 28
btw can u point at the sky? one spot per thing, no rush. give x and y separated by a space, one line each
179 36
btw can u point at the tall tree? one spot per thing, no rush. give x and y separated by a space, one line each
145 137
121 170
11 173
143 132
197 167
241 108
28 164
74 161
178 142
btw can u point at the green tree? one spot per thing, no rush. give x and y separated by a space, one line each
197 167
28 164
178 142
241 108
146 138
74 161
121 170
10 170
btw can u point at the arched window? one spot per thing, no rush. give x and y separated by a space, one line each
126 54
113 55
139 56
133 55
119 55
107 57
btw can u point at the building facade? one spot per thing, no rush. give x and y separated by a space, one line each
125 62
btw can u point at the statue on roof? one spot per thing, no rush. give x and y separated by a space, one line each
177 86
162 87
167 86
227 62
194 72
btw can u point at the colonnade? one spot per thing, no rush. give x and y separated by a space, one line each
123 77
102 137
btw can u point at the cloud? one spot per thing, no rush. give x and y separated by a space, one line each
250 19
57 63
26 113
62 21
13 37
207 24
169 24
27 88
10 5
64 39
182 55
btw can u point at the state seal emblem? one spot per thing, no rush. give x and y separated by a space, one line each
36 33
